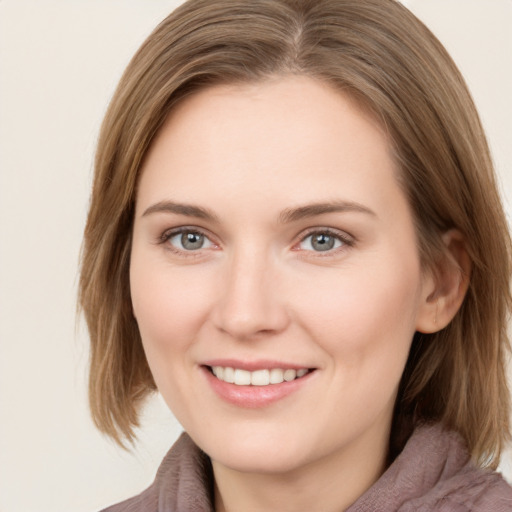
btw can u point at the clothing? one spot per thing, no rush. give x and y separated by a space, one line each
433 473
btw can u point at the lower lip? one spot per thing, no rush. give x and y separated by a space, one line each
254 397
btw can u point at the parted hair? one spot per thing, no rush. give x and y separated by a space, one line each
382 56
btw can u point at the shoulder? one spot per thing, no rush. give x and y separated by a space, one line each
461 485
434 473
472 489
182 484
147 501
455 484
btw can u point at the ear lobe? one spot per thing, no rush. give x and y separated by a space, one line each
446 286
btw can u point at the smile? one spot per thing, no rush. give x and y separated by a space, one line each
256 384
263 377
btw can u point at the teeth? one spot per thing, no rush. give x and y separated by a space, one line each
218 371
229 374
258 377
242 377
276 376
290 375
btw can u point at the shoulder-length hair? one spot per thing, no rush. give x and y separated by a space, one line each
378 53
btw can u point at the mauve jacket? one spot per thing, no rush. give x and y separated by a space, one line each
432 473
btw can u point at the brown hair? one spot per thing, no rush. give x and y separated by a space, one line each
380 54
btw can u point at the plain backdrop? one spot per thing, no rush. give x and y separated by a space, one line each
59 64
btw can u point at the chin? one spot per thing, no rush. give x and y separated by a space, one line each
253 453
259 461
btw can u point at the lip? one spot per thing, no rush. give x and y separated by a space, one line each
252 366
253 397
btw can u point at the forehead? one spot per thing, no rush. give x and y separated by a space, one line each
290 105
292 137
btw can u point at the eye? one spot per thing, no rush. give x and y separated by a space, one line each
188 240
323 241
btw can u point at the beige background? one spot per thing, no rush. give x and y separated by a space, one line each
59 63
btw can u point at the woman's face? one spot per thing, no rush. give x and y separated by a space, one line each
273 246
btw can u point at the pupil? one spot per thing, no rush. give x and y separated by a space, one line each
323 242
191 241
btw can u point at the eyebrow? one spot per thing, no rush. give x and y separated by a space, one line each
188 210
311 210
286 216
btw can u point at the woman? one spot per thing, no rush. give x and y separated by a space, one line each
295 236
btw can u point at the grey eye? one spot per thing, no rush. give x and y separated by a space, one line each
320 242
189 241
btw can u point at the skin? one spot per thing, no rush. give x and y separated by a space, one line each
258 289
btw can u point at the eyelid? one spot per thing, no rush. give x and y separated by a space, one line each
346 239
167 234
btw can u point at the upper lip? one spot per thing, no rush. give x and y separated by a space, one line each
260 364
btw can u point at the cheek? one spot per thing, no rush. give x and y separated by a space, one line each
167 304
366 311
170 307
366 325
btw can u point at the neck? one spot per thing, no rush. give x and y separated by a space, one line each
330 484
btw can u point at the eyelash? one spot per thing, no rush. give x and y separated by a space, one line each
167 235
345 239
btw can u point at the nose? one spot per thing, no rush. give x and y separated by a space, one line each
251 302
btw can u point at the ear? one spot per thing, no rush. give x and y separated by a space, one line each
445 286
